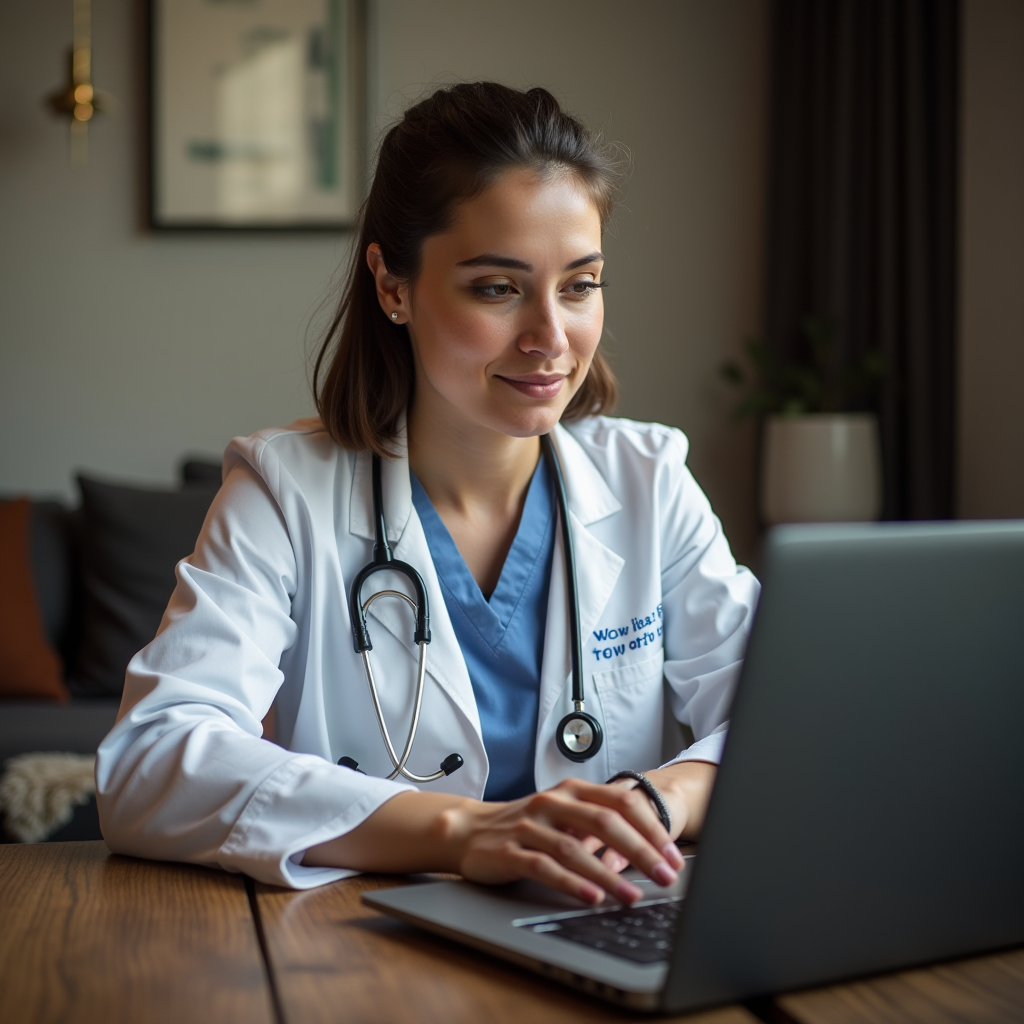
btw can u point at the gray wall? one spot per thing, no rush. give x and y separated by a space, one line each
120 350
991 469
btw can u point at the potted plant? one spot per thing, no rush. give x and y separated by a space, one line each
820 458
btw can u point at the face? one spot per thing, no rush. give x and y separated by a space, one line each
506 313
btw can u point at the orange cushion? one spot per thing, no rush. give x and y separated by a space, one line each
29 666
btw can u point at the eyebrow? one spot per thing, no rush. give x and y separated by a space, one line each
491 259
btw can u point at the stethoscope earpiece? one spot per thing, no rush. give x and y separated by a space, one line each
452 763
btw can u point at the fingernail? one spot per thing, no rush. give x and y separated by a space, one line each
663 874
672 855
591 894
627 892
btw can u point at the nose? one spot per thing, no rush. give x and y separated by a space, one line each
544 334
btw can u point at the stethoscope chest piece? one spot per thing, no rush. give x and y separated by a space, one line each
579 736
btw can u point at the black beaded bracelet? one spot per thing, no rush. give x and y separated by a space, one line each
644 783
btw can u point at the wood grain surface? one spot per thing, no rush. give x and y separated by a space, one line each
985 990
87 937
334 959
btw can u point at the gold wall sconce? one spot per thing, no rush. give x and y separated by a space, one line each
78 100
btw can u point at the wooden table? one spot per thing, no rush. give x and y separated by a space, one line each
90 937
327 950
982 990
85 936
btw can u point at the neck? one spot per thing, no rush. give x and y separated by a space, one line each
468 469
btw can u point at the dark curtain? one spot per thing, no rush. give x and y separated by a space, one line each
862 214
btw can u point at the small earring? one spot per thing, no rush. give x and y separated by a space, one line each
394 316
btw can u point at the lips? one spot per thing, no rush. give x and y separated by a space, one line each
536 385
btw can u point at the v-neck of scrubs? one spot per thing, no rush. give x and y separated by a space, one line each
491 617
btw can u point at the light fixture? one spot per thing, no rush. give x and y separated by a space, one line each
78 100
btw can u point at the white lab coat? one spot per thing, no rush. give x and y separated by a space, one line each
260 616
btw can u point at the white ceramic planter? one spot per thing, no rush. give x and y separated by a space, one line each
821 468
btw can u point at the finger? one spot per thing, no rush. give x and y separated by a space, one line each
634 808
614 861
634 805
539 867
569 853
608 824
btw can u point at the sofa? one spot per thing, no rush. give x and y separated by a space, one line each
84 588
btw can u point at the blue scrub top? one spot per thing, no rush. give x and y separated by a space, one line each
502 639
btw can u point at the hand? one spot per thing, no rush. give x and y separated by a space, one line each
685 788
551 837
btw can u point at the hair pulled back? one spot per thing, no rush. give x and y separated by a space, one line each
446 149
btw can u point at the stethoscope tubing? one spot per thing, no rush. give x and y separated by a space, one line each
579 735
384 559
421 670
575 640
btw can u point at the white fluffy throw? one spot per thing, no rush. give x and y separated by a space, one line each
39 792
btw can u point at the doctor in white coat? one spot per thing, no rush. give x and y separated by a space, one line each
469 328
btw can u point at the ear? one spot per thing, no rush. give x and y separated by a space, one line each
392 294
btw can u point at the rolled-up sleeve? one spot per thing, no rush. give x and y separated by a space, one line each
185 773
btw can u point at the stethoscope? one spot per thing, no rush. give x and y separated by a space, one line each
578 736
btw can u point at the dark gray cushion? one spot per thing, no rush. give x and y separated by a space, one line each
42 726
201 471
131 539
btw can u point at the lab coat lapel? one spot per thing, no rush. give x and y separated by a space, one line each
445 663
397 494
597 568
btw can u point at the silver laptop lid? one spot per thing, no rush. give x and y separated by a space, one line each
869 810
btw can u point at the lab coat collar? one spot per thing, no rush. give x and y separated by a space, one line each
397 492
590 497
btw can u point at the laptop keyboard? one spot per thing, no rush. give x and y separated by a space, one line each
641 933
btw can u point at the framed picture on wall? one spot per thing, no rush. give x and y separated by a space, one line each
257 114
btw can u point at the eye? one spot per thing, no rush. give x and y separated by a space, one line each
584 287
495 290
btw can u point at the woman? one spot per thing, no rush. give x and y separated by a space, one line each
469 329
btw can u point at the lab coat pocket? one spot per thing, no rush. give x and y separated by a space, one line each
632 707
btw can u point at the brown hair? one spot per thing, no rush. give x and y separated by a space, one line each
447 148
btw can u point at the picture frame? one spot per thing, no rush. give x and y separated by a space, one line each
257 114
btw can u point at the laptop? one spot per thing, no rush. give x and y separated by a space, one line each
868 814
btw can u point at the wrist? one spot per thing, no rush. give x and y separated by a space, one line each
651 791
455 827
686 787
672 784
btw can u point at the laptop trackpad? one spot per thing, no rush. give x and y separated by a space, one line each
535 892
